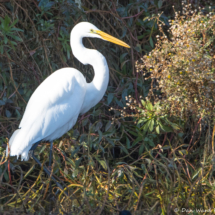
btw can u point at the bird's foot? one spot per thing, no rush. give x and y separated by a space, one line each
30 154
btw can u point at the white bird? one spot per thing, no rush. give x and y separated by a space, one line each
55 105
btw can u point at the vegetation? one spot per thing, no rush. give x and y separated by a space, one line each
148 146
182 66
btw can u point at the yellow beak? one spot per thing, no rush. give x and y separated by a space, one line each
111 38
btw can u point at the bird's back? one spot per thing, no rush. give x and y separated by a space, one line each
51 111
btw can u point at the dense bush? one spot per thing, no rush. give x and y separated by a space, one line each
182 66
132 151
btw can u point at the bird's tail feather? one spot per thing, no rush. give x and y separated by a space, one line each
11 141
16 148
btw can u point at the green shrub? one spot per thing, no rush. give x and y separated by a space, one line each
182 66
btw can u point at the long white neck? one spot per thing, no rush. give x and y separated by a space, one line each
96 89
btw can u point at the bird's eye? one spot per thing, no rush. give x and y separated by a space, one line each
91 31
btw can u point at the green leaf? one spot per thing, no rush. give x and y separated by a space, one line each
5 39
141 149
123 56
180 152
102 163
68 53
146 126
84 122
181 134
97 112
71 162
124 62
151 42
140 37
6 176
110 133
143 103
77 162
11 44
149 106
166 147
128 144
124 31
138 48
118 102
174 125
14 43
160 2
1 49
157 129
139 138
145 18
17 29
110 141
2 102
48 5
146 139
29 171
82 138
100 135
148 161
98 125
151 124
7 20
8 113
151 143
164 127
64 59
18 114
14 23
75 173
110 98
108 125
42 149
142 120
196 172
133 133
124 149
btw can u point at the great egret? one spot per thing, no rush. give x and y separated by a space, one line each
55 105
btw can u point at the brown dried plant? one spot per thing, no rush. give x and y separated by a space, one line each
181 67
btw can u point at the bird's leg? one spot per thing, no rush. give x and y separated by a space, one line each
31 154
50 154
50 163
34 146
47 171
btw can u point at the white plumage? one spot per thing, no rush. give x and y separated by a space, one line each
55 105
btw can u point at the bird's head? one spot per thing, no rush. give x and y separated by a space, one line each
86 29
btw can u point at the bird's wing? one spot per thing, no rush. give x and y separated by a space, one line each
52 109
